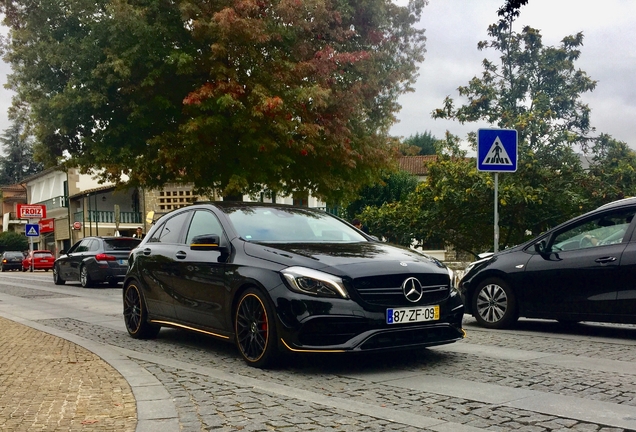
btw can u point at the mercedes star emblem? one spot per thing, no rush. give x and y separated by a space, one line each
412 289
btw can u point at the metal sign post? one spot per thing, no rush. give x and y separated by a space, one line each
496 247
33 213
32 230
497 152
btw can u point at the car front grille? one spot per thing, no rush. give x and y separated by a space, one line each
387 290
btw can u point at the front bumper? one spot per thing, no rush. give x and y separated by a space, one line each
339 325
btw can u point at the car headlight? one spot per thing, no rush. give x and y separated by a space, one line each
314 282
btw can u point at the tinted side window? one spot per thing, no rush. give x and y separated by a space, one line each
203 222
172 228
83 246
94 246
74 247
156 233
606 229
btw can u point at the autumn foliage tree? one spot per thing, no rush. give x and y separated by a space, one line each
235 95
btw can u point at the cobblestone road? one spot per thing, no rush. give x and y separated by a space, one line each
572 371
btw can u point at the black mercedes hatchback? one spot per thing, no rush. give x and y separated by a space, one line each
275 278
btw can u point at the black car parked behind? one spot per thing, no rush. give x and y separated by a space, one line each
11 260
94 260
581 270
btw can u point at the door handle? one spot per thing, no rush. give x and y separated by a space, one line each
605 260
147 251
180 255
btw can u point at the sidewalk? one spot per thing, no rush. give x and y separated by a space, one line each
50 384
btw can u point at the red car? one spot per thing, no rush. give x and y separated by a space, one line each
42 260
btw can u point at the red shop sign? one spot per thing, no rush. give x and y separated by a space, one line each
47 225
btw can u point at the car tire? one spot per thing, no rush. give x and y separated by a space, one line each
23 269
57 279
3 269
136 314
494 304
255 329
85 278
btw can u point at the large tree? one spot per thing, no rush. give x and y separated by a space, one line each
17 161
395 187
419 144
535 89
235 95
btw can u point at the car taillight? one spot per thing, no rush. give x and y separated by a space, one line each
104 257
4 260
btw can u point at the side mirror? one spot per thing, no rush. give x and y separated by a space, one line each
206 242
541 247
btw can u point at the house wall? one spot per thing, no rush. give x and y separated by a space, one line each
48 186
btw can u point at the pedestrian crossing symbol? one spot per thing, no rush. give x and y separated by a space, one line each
497 155
497 150
32 230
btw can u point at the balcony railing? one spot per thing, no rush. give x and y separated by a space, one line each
56 202
107 217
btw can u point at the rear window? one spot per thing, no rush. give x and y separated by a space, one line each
13 254
43 254
121 244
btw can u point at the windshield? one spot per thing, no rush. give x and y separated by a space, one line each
269 224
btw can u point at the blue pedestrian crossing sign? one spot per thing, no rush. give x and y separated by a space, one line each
32 230
497 150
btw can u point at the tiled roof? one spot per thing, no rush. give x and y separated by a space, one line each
20 197
93 191
13 188
416 165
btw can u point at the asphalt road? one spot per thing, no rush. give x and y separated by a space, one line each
538 377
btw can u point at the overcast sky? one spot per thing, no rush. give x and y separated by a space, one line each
454 27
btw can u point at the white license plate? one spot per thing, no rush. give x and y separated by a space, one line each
412 314
122 262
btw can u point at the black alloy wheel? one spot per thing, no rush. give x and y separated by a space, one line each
494 304
255 329
136 315
85 278
57 279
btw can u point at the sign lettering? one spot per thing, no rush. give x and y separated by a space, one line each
31 211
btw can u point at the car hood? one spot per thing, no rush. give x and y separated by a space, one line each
350 259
